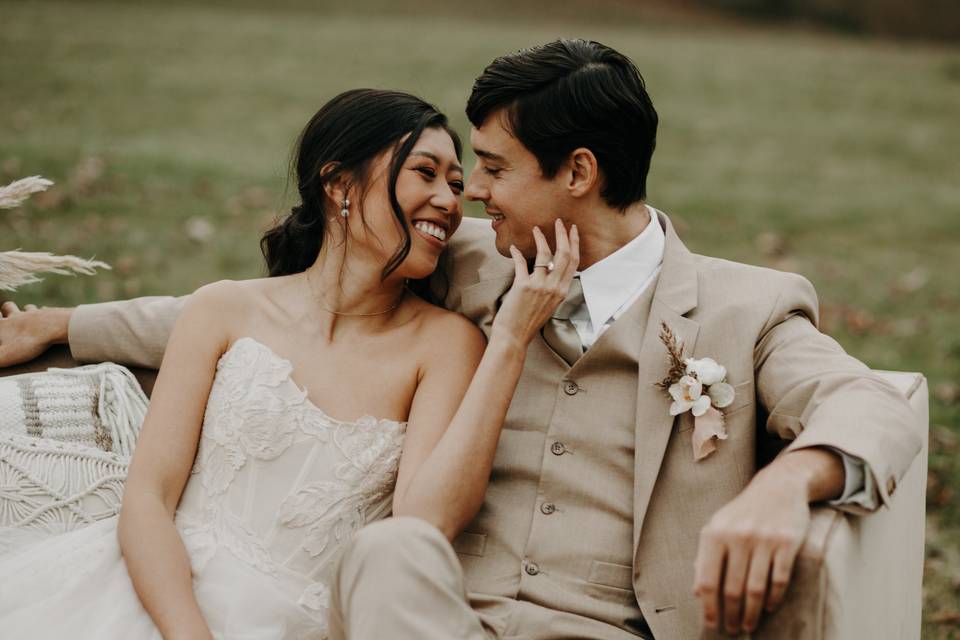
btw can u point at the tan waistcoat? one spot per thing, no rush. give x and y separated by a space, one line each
565 464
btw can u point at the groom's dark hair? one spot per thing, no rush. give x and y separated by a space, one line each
569 94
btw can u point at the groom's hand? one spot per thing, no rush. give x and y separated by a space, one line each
748 547
27 333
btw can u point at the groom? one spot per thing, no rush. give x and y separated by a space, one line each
598 521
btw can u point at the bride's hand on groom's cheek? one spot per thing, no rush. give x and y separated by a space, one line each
537 293
26 333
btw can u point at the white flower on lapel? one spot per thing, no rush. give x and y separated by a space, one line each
687 396
721 394
706 370
700 387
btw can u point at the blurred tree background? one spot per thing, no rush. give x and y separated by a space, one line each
819 137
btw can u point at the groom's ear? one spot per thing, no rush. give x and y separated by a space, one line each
583 172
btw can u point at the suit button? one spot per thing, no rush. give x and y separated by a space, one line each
547 508
532 568
557 448
891 485
570 388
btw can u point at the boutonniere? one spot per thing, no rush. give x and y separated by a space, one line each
700 387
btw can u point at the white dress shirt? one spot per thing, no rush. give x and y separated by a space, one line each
611 285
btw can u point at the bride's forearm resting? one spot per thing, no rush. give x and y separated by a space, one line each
448 488
159 566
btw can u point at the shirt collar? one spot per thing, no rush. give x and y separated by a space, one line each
610 283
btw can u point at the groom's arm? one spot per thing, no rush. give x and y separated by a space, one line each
816 395
827 403
127 331
132 332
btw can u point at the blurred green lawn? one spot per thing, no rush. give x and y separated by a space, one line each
168 130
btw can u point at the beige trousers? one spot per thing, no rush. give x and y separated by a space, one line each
399 578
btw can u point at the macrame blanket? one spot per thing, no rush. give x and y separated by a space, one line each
99 405
66 437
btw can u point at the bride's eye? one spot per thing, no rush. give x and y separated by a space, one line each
427 171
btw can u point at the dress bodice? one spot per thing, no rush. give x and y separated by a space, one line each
277 482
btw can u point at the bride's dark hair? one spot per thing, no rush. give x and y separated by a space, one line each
350 131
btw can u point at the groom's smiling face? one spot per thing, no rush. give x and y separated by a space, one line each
508 180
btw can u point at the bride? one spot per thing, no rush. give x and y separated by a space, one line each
291 410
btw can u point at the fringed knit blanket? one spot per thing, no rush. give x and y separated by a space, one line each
66 437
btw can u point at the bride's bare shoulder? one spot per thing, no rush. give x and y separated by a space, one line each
443 332
233 303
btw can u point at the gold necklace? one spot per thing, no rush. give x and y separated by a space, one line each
357 315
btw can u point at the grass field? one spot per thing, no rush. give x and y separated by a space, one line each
168 130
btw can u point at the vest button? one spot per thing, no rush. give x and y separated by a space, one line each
557 448
570 388
532 568
547 508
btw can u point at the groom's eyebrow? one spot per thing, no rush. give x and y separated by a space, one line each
489 155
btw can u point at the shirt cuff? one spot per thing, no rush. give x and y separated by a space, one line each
859 488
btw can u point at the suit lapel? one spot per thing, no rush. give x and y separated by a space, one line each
478 302
674 297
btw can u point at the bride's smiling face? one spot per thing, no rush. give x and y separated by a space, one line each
428 190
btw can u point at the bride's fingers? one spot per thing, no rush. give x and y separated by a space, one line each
519 264
544 256
567 257
562 256
574 250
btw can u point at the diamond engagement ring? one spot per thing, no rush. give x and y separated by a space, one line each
548 266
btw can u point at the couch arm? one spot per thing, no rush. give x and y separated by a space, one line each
59 356
861 576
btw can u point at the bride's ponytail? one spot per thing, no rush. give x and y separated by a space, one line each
293 244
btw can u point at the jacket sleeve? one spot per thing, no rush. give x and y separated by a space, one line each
818 396
133 332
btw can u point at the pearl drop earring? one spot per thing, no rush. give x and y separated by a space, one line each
345 209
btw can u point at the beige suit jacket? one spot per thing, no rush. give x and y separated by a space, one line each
794 386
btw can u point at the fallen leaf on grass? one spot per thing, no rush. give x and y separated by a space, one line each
199 229
947 392
771 244
86 174
913 280
947 616
943 439
10 167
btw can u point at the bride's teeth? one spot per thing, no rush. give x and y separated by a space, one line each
431 229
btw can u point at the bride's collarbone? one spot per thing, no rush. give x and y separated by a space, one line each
346 384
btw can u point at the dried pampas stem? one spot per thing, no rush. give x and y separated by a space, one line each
18 268
16 192
675 348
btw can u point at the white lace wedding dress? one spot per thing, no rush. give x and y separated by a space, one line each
276 488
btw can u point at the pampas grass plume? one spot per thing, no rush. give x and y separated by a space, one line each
18 268
17 191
